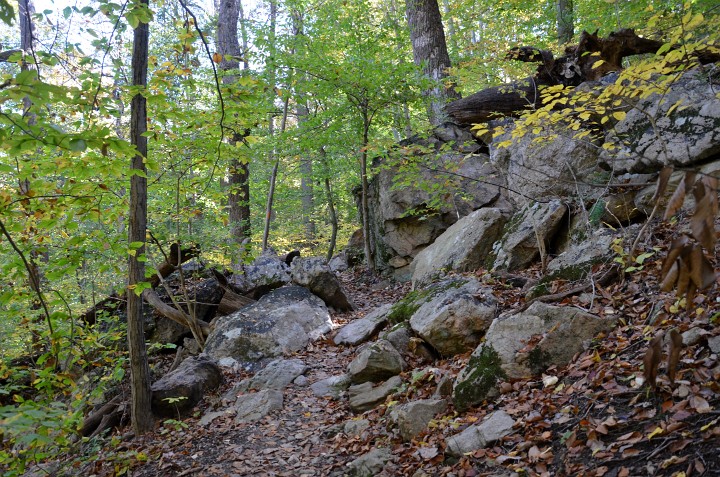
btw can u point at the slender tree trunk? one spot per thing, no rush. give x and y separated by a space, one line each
26 10
565 21
367 236
306 183
228 46
275 161
141 417
431 54
273 179
331 204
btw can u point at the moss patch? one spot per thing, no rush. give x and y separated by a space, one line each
538 360
403 310
481 375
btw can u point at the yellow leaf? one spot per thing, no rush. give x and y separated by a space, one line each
658 431
217 57
619 115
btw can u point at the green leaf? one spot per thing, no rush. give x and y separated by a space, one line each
77 145
7 13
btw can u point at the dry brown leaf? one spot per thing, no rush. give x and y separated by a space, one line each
678 198
702 223
662 182
652 359
676 344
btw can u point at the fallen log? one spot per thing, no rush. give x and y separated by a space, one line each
580 63
108 416
231 301
113 303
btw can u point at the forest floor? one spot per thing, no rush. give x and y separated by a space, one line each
596 419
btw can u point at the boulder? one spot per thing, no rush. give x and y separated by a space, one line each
265 273
281 322
493 428
254 406
333 387
399 336
580 255
376 362
370 464
176 393
543 335
364 328
403 234
413 417
339 263
314 274
278 374
478 380
454 315
463 246
363 397
524 232
538 169
686 116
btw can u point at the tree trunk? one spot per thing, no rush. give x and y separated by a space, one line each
367 237
26 10
331 204
306 183
565 21
141 416
430 53
271 126
238 170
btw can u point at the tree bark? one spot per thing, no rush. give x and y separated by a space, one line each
141 413
331 204
431 54
228 46
565 20
367 237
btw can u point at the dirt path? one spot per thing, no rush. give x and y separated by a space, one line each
295 441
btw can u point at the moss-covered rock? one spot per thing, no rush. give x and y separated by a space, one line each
479 378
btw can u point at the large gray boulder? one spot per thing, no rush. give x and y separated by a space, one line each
363 328
314 274
454 315
179 391
463 246
267 272
280 323
525 232
376 362
522 345
562 332
684 113
400 235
